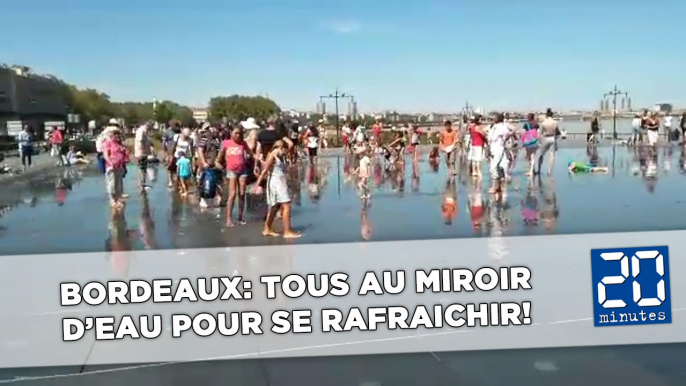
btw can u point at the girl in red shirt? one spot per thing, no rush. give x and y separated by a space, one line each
476 147
235 152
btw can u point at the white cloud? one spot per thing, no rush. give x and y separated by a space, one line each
342 27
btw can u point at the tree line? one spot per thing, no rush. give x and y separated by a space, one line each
91 104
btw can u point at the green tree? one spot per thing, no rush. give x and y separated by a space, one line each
368 121
182 113
239 107
134 112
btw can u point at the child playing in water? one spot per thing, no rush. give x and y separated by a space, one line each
184 170
579 167
364 171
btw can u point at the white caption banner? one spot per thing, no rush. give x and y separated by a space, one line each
315 300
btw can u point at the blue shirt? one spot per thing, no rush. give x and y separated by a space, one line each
183 167
208 183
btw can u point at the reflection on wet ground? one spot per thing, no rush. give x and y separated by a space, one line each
641 192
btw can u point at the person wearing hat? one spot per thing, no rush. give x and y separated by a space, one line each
112 126
250 124
116 156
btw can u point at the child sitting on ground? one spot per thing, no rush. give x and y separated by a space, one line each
580 167
76 157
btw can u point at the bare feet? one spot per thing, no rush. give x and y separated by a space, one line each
291 235
269 233
230 224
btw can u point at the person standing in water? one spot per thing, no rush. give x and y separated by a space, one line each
498 136
278 198
312 137
652 126
116 157
235 155
25 141
415 135
143 149
182 145
477 140
548 141
636 133
668 126
364 172
185 171
448 144
530 141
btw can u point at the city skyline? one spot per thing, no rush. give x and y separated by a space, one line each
412 56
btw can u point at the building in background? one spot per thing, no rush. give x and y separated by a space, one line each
200 114
352 109
30 98
321 108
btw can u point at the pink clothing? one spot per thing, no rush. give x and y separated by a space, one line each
529 214
56 137
235 155
117 155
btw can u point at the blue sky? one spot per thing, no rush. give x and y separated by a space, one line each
407 55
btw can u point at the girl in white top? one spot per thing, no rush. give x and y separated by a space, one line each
498 136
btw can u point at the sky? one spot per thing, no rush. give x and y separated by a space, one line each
404 55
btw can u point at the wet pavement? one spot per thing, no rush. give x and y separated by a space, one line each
640 193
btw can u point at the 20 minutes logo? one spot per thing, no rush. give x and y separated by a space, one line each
631 286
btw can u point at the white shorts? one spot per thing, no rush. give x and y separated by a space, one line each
652 137
476 154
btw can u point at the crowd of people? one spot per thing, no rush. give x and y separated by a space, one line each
249 164
474 140
646 129
211 161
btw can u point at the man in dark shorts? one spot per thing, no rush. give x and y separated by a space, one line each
208 147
